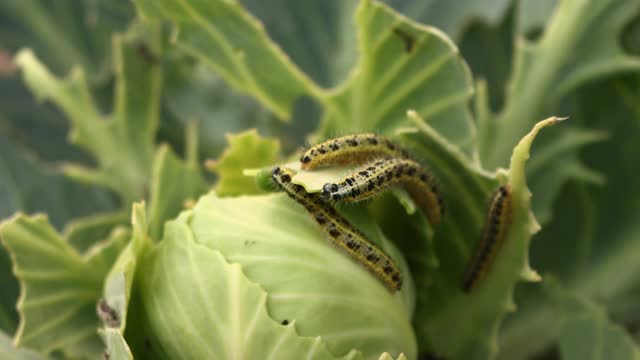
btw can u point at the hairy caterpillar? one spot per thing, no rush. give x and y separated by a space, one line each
495 230
350 149
341 232
370 179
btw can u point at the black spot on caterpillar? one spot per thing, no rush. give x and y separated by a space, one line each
498 221
373 178
285 322
341 232
350 149
408 39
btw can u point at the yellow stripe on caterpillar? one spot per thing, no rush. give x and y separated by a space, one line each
373 178
350 149
342 233
498 221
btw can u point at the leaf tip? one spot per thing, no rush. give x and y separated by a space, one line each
530 275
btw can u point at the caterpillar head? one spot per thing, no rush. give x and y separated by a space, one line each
328 190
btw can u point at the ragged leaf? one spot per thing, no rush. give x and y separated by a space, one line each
9 351
197 304
386 356
65 33
246 150
403 65
123 142
59 287
117 347
309 280
82 233
579 44
28 185
226 37
592 242
118 287
466 196
452 16
317 35
466 191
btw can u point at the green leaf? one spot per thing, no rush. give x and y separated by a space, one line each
580 43
246 150
8 296
123 142
26 184
59 287
83 233
586 331
453 17
174 183
9 351
65 33
227 38
467 190
308 280
194 94
557 162
29 185
323 44
117 347
592 242
21 121
386 356
533 14
400 61
118 283
118 287
197 304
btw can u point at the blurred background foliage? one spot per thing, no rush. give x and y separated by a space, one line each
587 199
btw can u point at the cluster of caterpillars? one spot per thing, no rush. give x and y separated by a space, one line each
341 231
350 149
371 179
383 164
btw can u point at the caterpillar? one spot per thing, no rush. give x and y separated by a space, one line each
495 230
370 179
341 232
350 149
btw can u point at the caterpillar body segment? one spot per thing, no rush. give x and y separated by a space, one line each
350 149
373 178
341 232
498 221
